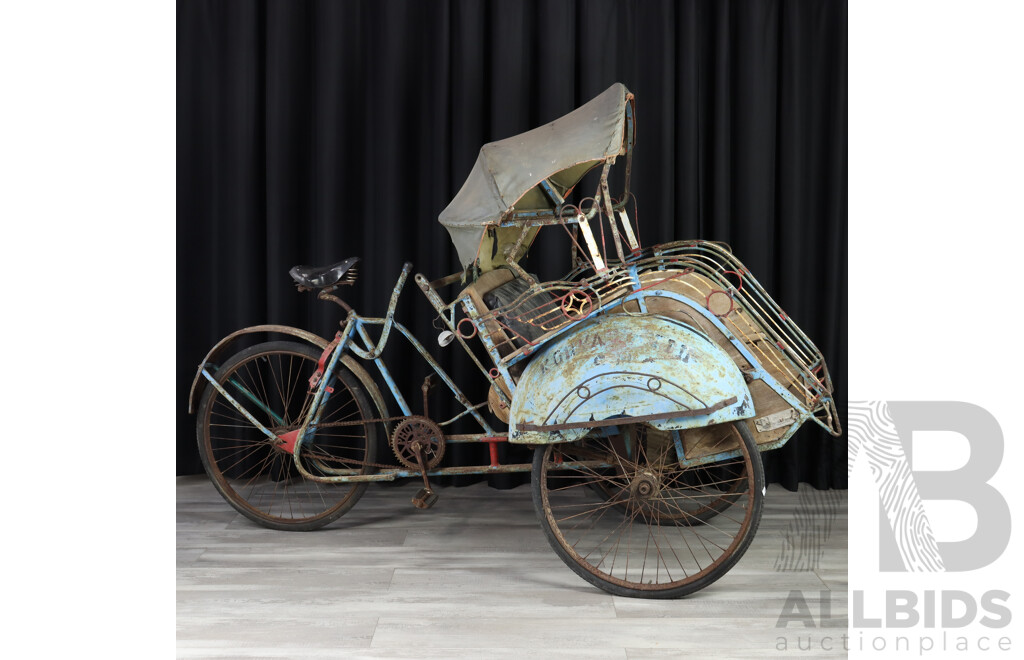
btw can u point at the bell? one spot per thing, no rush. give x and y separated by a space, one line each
446 338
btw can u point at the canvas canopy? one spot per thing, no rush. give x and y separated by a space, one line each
507 175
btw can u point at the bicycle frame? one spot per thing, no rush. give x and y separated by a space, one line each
356 325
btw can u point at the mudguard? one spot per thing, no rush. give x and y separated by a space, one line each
364 377
624 368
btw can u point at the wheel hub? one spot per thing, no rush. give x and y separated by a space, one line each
287 441
645 485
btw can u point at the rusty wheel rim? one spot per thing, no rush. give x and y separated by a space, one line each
636 537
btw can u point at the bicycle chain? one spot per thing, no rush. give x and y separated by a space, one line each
347 462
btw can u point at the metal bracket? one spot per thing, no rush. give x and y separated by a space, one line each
526 426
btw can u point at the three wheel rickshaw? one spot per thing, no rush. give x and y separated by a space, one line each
647 379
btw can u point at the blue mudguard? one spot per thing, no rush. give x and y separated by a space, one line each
623 368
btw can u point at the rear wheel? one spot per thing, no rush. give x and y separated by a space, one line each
251 471
657 529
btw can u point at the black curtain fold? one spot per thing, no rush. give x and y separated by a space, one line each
312 131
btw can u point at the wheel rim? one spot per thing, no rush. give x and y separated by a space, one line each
254 474
652 526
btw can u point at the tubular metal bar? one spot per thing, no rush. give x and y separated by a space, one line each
388 319
462 414
596 258
474 317
441 307
259 404
606 199
383 369
447 280
512 257
474 438
391 475
472 355
536 218
429 290
322 393
630 139
552 194
539 218
446 378
238 406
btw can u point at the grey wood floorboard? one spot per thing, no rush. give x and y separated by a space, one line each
475 578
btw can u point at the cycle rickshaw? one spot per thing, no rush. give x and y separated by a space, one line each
647 379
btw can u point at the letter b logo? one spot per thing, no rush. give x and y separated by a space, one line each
882 431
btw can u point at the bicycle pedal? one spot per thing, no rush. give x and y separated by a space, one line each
425 498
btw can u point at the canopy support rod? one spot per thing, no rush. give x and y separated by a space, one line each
630 138
512 256
588 237
607 200
552 194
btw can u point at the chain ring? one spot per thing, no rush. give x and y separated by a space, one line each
418 429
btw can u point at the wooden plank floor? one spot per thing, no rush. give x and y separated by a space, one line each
475 578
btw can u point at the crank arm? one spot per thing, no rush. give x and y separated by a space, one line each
425 497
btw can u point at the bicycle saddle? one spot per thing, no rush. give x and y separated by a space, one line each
321 277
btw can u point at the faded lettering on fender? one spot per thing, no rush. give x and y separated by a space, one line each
624 346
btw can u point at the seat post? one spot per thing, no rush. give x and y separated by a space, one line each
325 294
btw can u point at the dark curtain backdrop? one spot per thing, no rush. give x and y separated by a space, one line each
312 131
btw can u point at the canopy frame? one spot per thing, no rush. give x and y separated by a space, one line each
607 125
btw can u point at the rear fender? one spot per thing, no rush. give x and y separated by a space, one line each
316 340
623 368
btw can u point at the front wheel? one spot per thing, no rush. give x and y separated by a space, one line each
636 542
252 472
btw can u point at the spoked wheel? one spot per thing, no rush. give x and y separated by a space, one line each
251 471
658 530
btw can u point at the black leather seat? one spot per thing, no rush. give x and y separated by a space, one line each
321 277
